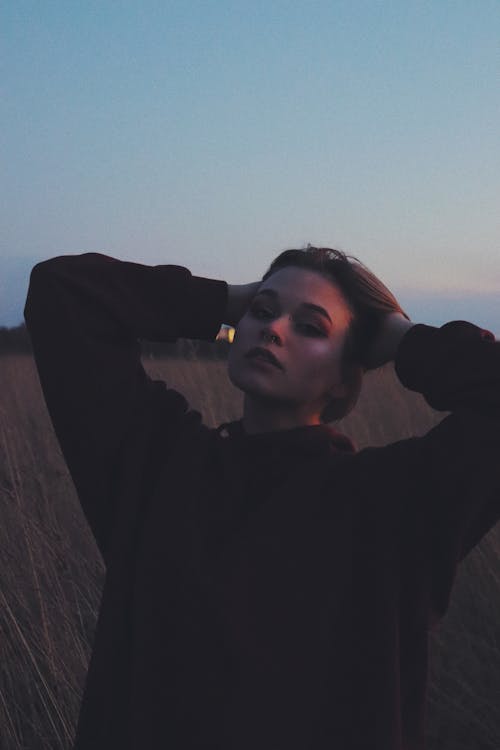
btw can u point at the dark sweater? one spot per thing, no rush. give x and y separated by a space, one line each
263 592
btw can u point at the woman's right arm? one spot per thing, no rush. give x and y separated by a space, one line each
85 315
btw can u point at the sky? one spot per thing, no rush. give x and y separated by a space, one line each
216 134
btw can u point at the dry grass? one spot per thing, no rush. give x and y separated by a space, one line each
51 574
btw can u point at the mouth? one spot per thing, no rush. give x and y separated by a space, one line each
264 354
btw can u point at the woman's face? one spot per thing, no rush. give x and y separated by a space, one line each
301 317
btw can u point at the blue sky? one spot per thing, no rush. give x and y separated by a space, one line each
216 134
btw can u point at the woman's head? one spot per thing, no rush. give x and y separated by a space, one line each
317 310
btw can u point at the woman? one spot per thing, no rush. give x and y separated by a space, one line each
267 586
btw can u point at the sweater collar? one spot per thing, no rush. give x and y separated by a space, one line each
310 439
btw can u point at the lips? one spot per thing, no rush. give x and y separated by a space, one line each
262 353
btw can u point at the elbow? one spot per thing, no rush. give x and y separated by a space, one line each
36 285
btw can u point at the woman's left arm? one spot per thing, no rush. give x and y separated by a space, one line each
445 484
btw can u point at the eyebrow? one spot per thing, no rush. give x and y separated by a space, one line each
310 305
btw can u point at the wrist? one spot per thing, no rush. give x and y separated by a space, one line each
239 297
385 346
398 334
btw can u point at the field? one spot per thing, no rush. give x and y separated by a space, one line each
51 573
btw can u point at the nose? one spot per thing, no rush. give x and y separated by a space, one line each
267 336
273 333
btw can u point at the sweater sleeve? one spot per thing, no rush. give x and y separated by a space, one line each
448 481
85 315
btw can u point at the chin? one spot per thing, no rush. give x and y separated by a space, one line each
250 380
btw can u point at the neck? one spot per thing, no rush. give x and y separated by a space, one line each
265 416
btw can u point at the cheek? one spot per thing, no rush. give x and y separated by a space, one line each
241 343
319 364
239 339
242 326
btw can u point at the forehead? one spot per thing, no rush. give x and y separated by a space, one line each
296 286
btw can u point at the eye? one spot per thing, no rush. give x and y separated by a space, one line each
310 330
261 312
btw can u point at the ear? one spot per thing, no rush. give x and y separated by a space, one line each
344 396
353 378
